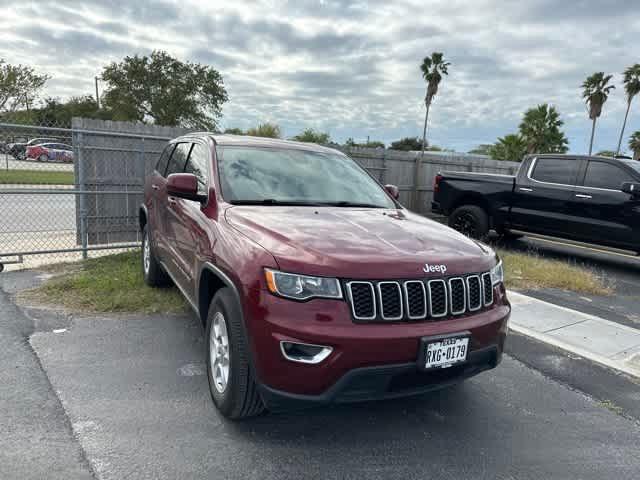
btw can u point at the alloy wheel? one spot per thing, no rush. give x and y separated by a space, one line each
219 352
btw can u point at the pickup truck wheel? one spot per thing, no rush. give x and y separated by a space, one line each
231 383
470 220
152 271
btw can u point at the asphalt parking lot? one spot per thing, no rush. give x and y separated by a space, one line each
127 398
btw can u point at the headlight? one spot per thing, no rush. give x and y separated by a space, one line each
302 287
497 273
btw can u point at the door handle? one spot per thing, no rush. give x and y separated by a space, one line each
524 189
580 195
155 187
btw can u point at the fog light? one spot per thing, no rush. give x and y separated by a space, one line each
304 352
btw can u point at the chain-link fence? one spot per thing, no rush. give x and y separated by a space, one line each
70 193
73 191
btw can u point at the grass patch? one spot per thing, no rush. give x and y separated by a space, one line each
107 284
530 271
40 177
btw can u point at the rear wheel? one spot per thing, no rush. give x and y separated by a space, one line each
231 382
154 275
470 220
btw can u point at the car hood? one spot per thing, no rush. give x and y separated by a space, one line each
358 243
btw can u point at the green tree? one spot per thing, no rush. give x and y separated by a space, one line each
511 148
407 144
270 130
631 89
164 90
432 68
55 112
540 130
482 149
310 135
634 145
234 131
19 86
595 91
368 144
606 153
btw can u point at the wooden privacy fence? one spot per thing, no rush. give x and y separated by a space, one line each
115 157
414 177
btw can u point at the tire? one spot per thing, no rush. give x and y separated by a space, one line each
471 221
509 236
237 397
43 158
152 271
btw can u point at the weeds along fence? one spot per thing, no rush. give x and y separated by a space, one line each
69 193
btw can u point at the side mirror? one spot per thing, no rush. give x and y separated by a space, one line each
631 188
393 191
184 185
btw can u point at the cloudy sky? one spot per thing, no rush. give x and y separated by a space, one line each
352 67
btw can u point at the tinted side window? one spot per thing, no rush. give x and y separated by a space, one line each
164 158
178 159
605 175
556 170
197 164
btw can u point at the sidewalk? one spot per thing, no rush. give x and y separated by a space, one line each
608 343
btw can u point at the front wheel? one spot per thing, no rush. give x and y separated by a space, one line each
470 220
43 158
152 271
231 383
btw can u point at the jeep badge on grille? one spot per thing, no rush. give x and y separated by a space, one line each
434 268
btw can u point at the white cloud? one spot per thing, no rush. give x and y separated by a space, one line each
351 67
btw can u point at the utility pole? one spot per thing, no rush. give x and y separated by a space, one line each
97 95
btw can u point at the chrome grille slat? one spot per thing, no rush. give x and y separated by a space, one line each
354 301
430 299
386 300
474 291
421 296
457 293
487 289
443 311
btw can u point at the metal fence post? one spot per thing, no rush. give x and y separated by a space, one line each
82 197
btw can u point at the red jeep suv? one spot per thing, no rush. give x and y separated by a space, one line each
313 283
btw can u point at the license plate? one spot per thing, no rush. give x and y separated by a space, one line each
446 352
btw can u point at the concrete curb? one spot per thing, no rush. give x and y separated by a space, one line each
602 341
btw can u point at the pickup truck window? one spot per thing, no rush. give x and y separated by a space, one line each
605 175
297 177
555 170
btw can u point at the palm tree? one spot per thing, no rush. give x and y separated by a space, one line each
511 148
433 68
634 145
595 92
540 129
631 88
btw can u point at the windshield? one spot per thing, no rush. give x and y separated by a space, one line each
288 176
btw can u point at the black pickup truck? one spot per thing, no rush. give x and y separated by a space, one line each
587 199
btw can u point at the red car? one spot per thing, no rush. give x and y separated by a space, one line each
51 152
313 283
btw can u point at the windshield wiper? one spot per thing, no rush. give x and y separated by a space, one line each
273 201
345 203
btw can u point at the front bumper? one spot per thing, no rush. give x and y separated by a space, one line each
393 348
384 382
